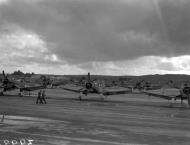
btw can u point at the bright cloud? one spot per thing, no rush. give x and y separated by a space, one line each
19 47
141 66
4 1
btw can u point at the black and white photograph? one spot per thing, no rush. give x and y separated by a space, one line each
94 72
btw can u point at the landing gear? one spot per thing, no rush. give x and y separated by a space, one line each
19 94
2 119
173 100
188 99
181 100
102 97
171 105
1 94
80 96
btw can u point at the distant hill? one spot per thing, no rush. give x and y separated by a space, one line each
177 79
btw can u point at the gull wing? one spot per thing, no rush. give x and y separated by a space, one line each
167 97
72 90
107 92
32 88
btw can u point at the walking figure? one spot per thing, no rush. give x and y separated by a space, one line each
43 97
39 97
185 93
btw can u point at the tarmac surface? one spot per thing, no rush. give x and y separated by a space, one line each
130 119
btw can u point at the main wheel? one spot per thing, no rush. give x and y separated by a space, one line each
188 98
1 94
102 97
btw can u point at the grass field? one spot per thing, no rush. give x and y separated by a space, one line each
129 119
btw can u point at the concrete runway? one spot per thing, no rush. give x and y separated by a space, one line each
120 120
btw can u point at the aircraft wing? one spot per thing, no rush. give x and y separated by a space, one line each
127 86
153 88
32 88
23 87
117 92
72 90
159 95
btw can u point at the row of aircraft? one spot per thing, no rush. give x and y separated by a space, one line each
33 84
10 84
91 87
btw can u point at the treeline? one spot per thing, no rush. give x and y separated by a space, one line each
18 72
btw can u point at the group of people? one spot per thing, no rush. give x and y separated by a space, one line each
41 97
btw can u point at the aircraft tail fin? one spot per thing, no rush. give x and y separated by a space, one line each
88 77
4 74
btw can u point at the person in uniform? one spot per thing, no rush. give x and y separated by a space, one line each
185 92
43 97
39 97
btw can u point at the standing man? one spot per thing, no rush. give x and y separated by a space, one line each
39 97
43 97
186 93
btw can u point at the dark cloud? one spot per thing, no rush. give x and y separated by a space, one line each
176 19
107 30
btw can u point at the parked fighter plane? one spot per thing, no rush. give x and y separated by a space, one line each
8 85
142 85
184 94
92 87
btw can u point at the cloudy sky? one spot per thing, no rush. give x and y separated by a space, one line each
110 37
